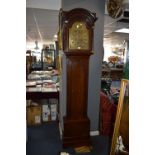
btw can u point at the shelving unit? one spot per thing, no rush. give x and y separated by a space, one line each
113 73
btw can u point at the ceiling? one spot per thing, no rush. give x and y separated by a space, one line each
111 25
42 23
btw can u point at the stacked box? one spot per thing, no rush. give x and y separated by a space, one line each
46 114
53 102
53 112
33 115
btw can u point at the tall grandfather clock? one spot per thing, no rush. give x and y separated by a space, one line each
77 40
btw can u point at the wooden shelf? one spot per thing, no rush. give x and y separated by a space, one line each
113 73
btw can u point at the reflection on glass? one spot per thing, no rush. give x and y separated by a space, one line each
36 59
48 58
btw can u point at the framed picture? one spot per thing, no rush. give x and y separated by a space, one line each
120 139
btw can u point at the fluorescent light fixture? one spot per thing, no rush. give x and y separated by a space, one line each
123 30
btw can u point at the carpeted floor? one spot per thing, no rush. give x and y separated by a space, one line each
45 140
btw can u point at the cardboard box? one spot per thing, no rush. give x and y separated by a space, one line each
33 115
53 112
46 113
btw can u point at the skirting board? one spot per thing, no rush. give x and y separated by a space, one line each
60 130
94 133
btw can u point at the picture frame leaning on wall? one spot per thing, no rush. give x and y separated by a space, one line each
120 139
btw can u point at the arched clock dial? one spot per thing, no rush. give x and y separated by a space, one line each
78 36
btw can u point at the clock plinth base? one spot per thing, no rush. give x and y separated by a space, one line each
76 133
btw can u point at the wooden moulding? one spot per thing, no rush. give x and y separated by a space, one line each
124 84
76 133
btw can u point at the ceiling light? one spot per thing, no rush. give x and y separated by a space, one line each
55 36
123 30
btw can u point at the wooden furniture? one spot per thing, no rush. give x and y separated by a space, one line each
41 95
121 128
42 85
113 73
77 36
39 86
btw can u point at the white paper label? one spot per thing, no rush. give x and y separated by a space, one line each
37 119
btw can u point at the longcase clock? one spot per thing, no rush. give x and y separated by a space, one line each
77 39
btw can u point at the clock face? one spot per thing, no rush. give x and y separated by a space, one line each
78 36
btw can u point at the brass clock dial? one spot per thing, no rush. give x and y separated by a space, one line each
78 36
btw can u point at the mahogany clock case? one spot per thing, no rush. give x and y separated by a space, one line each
76 123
